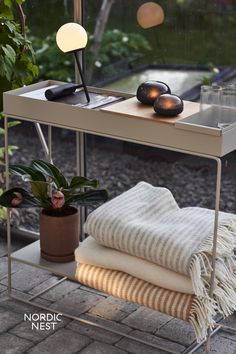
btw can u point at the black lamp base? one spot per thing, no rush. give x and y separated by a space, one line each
81 75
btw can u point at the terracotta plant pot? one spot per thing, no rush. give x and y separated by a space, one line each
59 236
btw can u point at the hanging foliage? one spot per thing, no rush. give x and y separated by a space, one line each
17 62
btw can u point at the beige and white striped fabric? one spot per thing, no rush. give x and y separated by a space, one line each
124 286
132 289
146 222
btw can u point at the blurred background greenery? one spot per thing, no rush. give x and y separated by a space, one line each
194 33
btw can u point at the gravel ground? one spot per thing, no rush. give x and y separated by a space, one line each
119 166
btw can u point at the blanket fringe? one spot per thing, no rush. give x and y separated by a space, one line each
224 294
201 316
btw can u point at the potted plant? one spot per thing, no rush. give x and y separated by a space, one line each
59 199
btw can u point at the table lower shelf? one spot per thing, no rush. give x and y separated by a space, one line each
31 255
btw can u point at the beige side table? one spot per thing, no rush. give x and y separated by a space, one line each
126 120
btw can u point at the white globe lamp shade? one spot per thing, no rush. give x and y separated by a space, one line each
71 36
150 14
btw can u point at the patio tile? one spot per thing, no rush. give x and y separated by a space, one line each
139 348
113 308
3 246
18 306
61 342
101 348
77 302
98 333
13 345
219 345
27 278
3 265
16 266
8 319
146 319
231 322
94 291
58 291
4 295
178 331
25 330
2 288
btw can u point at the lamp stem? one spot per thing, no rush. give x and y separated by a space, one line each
81 75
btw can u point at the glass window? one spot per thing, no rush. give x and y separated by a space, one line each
194 43
44 19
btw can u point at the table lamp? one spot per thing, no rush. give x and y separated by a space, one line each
72 38
150 90
168 105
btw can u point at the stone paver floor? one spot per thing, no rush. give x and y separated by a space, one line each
70 336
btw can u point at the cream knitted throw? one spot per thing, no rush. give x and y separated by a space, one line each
146 222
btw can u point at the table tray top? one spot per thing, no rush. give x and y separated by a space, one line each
126 120
133 108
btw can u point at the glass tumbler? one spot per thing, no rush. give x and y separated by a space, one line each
228 105
228 97
210 96
210 104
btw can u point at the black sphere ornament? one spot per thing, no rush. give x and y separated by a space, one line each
168 105
149 91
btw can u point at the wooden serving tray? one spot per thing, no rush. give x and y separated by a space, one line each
133 108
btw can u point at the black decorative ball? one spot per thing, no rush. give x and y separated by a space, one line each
149 91
168 105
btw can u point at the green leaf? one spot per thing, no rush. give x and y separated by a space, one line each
28 201
9 53
40 190
11 149
8 3
83 182
90 198
11 26
13 123
6 68
3 213
5 10
51 171
2 150
22 171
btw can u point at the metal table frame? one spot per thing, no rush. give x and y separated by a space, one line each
48 152
80 162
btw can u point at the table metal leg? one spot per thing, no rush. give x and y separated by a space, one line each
42 140
49 156
50 143
214 246
8 210
81 171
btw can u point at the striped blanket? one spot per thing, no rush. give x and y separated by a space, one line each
183 306
146 222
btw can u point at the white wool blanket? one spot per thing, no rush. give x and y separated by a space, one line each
91 252
146 222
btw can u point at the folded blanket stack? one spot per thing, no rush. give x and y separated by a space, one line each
146 225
